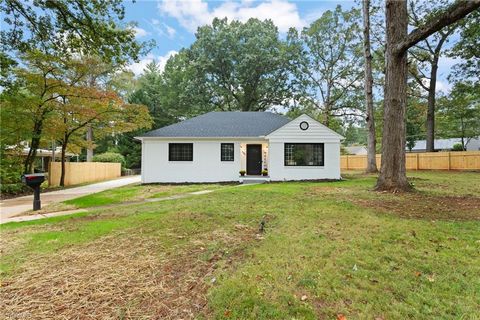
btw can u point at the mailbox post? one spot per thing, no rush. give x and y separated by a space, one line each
34 181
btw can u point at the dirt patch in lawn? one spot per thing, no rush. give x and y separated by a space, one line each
420 206
123 276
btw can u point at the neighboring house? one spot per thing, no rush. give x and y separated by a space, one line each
44 156
472 144
215 146
356 150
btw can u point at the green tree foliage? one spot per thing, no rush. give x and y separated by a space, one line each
152 92
167 101
415 129
92 27
55 99
468 49
11 169
109 157
355 134
184 89
329 70
459 113
31 100
231 66
458 147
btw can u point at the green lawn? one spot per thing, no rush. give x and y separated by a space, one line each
329 248
129 193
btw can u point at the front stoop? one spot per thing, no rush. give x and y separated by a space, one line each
253 179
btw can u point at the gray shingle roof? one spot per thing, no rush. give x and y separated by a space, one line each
223 124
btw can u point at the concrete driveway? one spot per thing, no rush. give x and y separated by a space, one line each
16 206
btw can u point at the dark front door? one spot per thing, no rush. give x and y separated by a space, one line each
254 159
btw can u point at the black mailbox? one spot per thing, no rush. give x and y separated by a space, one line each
34 181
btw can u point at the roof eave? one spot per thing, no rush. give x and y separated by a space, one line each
200 138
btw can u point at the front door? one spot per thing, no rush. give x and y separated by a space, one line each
254 159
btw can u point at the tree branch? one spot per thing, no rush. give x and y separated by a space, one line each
453 13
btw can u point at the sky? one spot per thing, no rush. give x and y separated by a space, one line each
172 23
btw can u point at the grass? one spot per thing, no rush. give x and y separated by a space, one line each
329 248
130 193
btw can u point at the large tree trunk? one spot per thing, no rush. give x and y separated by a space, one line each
371 138
430 125
326 113
34 145
64 149
393 175
89 140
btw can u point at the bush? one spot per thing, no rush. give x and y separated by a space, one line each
11 170
109 157
13 188
457 147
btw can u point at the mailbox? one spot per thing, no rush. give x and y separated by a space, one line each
34 181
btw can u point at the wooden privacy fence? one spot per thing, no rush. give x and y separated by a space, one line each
463 160
82 172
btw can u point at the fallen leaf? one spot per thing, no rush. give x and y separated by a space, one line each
418 273
227 313
304 298
431 278
341 317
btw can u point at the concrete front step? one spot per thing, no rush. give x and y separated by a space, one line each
254 179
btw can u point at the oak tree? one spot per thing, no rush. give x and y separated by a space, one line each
240 65
329 67
393 171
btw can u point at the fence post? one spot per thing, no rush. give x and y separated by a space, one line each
449 162
416 161
347 163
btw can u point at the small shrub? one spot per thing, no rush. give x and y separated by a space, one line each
13 188
242 172
265 172
11 170
457 147
109 157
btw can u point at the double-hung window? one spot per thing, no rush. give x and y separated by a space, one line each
304 154
180 152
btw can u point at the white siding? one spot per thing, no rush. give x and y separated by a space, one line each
205 167
278 171
316 133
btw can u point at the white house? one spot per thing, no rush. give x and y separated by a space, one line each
216 146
